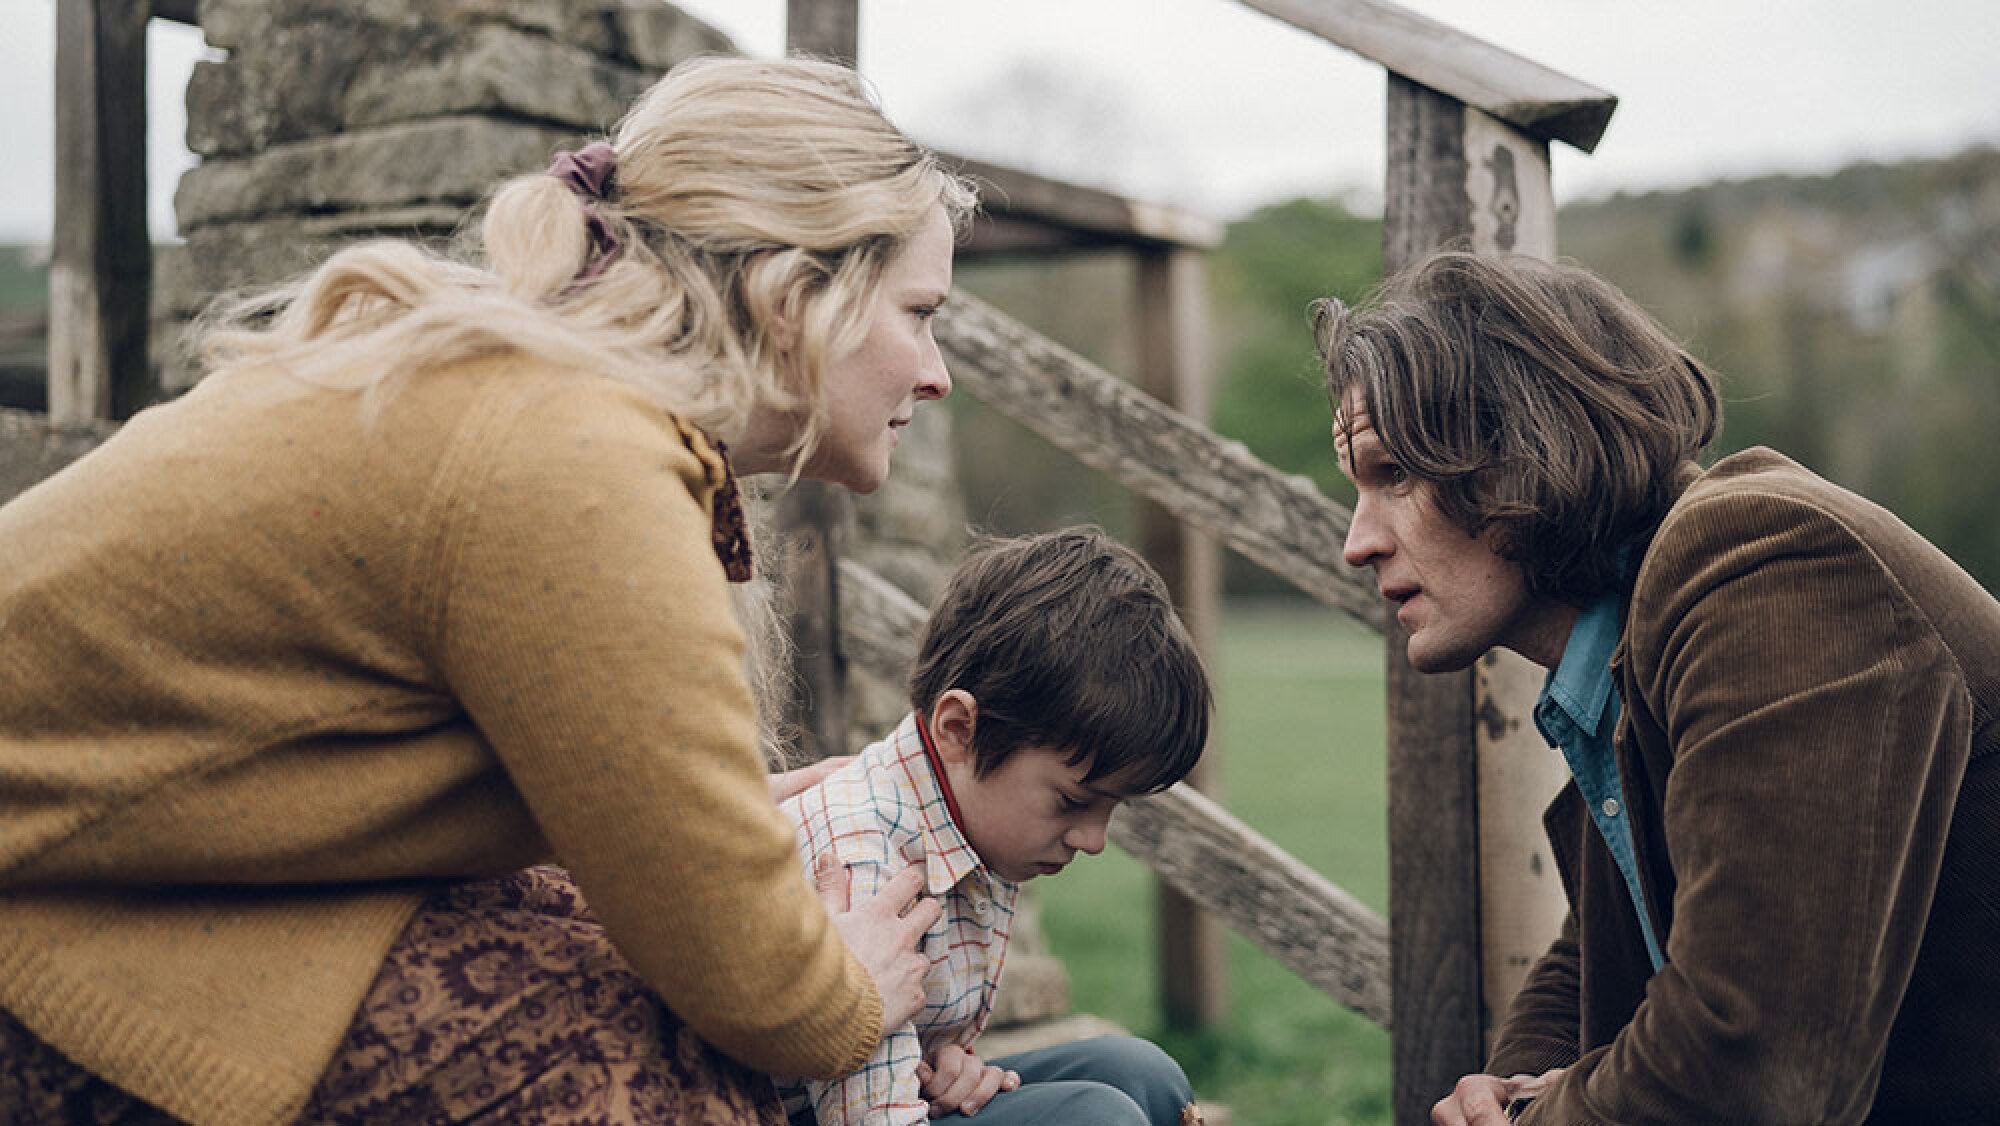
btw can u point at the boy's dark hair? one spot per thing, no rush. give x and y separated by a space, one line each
1538 401
1068 641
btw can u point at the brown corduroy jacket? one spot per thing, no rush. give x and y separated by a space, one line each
1808 731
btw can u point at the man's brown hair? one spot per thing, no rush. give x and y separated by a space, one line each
1539 402
1068 641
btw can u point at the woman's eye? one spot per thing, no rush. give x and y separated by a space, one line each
925 312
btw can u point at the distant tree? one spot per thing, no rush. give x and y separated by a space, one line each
1269 270
1271 267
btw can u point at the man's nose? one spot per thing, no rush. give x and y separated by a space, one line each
1367 540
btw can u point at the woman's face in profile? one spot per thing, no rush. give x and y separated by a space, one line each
872 391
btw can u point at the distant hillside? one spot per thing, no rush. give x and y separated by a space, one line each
1854 319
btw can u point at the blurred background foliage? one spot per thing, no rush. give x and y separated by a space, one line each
1853 318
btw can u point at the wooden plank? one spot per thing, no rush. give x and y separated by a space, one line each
1521 902
1174 368
1279 521
1435 961
100 270
1541 102
1083 214
1322 933
830 29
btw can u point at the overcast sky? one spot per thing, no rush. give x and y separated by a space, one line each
1211 106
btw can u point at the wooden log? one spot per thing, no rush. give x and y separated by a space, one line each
1320 932
1541 102
1280 521
100 271
1174 368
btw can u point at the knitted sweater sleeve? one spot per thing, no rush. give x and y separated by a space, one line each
579 613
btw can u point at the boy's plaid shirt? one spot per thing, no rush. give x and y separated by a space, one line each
877 815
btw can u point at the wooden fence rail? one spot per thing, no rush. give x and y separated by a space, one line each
1277 520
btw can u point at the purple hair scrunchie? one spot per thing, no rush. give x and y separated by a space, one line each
591 173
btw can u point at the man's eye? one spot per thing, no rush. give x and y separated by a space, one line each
1070 804
1395 475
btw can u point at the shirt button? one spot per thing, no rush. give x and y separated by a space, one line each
982 907
1610 807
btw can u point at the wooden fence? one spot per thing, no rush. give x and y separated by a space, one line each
1473 897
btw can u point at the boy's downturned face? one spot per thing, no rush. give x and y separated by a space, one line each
1030 815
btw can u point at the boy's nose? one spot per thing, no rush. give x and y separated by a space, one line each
1088 838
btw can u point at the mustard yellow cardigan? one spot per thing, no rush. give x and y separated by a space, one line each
272 668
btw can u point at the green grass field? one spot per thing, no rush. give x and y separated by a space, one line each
1300 712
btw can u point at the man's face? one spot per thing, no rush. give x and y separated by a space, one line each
1452 591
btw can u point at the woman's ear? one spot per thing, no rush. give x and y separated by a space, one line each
953 717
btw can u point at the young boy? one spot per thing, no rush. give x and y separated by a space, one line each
1054 680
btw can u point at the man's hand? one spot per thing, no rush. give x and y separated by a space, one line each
1481 1100
955 1081
884 932
793 782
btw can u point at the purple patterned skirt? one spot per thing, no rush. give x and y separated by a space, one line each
503 1001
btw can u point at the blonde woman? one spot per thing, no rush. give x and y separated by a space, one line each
428 582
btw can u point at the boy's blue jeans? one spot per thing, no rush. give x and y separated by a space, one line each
1106 1081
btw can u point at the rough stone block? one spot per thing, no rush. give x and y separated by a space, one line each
243 23
247 255
453 160
317 79
656 35
648 32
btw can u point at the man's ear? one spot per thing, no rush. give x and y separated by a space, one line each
954 715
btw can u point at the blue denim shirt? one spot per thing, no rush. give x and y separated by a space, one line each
1578 712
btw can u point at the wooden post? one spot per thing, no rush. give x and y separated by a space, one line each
830 29
815 520
100 272
1464 924
1174 368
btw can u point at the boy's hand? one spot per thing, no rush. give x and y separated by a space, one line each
955 1081
794 782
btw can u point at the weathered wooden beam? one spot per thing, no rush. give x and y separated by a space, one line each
100 271
1010 196
1322 933
1433 760
1280 521
1541 102
1296 915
